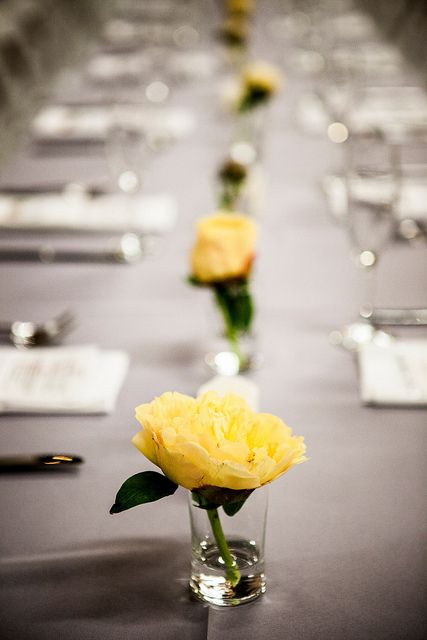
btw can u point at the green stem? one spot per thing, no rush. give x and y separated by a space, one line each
231 570
233 339
231 332
229 196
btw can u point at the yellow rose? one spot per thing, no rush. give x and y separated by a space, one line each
234 30
215 441
262 75
240 6
224 248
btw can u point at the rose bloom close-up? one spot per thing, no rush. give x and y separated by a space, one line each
215 441
224 247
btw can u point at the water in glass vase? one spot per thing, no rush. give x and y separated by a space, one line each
209 582
230 357
227 567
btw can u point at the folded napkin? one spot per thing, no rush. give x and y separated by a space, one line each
94 122
392 110
233 384
106 67
193 65
411 201
395 374
70 380
142 214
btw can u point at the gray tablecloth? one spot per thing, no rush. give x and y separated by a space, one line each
346 531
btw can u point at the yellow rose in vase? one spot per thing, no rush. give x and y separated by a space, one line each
224 247
258 83
219 449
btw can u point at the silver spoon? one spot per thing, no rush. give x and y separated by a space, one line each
31 334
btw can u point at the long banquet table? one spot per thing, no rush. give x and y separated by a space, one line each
346 531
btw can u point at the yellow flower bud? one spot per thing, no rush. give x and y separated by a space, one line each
261 76
240 6
224 248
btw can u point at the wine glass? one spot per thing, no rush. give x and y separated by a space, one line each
372 187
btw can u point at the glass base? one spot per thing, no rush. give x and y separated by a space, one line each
353 336
228 363
209 584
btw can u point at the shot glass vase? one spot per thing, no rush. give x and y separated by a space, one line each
227 567
231 349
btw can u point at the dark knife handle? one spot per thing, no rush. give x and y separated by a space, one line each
39 462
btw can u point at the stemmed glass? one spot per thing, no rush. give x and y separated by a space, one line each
126 155
372 187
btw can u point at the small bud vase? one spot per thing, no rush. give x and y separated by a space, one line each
248 135
227 567
232 343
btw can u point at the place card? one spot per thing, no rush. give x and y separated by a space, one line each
65 380
395 374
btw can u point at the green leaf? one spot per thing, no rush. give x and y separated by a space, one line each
233 507
194 281
213 497
253 98
147 486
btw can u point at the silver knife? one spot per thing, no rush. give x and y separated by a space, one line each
39 462
400 317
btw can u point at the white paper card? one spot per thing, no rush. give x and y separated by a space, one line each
394 375
61 379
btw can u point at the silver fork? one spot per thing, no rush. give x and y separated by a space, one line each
33 334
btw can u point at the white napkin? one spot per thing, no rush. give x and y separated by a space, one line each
142 214
395 374
233 384
94 122
109 67
412 199
194 64
74 380
392 110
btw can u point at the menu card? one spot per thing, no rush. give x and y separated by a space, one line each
395 374
65 380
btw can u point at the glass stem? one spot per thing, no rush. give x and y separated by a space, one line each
369 280
231 570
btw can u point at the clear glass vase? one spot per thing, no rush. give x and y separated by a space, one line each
227 567
249 197
231 350
248 135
